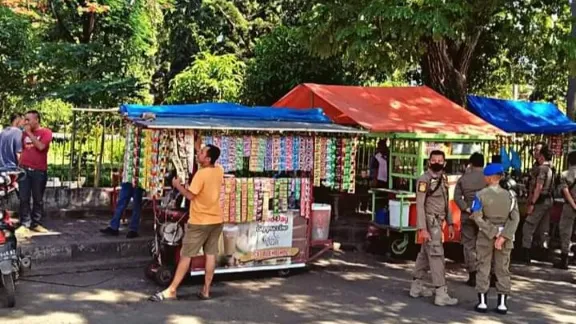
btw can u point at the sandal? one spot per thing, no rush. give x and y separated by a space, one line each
159 297
201 296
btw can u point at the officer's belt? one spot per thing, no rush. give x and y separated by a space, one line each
544 198
435 216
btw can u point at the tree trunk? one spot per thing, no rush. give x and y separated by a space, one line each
440 73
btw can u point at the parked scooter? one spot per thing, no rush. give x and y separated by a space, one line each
11 262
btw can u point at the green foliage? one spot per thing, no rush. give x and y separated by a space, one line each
210 78
56 114
528 45
452 44
281 61
17 43
98 55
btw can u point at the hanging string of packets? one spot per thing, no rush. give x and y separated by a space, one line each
253 199
148 155
129 155
335 163
264 153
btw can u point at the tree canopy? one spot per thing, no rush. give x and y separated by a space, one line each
103 53
450 45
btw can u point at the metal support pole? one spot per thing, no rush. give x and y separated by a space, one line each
72 146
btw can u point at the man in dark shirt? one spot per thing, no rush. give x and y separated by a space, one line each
11 142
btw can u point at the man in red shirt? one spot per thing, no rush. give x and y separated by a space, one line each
34 159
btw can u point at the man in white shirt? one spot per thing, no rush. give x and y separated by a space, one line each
380 165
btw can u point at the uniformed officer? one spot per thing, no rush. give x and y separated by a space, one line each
432 210
568 188
466 188
539 202
495 211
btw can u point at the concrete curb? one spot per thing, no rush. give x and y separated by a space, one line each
88 266
45 254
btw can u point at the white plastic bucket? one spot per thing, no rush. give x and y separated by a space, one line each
399 213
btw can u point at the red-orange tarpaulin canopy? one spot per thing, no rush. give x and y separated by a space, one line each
389 109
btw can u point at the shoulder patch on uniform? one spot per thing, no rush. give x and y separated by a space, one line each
476 204
422 186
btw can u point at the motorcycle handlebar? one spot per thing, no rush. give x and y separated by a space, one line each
13 171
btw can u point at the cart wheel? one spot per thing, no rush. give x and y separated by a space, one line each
150 270
164 276
284 273
399 247
26 263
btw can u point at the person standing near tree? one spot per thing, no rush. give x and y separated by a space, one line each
34 160
466 188
432 210
495 211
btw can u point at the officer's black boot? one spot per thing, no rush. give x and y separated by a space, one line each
482 306
563 263
502 307
526 256
471 279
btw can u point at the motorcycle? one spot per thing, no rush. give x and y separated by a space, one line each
11 261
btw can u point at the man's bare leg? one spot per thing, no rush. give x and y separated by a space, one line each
209 274
181 272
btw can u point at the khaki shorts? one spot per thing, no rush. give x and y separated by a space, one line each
201 236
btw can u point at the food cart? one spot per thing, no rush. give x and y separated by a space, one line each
409 155
414 120
272 159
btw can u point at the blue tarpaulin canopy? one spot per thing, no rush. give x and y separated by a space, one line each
521 116
228 116
228 110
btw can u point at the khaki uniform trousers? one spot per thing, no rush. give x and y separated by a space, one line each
488 256
469 235
431 255
540 217
566 227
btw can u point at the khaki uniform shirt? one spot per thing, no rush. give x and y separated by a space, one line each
432 200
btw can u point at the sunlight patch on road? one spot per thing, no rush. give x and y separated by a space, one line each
51 317
338 262
109 296
256 285
179 319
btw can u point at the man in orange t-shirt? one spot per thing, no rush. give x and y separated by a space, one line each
205 223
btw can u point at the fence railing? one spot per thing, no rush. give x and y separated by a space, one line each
86 152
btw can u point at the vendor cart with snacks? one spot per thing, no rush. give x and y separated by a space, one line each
394 208
414 121
272 159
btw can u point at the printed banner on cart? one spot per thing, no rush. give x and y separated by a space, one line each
258 243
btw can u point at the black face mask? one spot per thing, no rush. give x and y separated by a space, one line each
436 167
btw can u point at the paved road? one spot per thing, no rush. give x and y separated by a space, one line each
351 289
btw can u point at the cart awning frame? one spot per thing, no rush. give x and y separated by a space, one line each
221 124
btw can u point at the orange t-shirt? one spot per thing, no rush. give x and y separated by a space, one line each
205 207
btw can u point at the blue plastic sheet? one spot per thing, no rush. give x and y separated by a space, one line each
515 162
228 110
504 158
521 116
